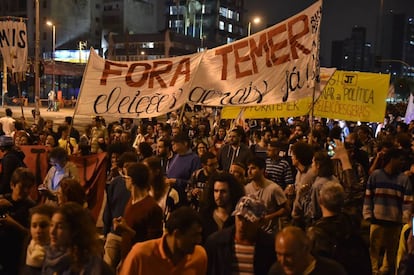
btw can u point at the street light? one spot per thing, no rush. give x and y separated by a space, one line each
256 20
49 23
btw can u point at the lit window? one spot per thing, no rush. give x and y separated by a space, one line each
221 25
237 16
203 9
148 45
230 28
229 40
223 11
230 14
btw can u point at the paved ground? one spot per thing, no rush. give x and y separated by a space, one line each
80 121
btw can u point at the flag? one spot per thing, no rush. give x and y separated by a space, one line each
409 113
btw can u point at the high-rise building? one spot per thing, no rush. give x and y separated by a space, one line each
75 21
352 54
397 48
214 22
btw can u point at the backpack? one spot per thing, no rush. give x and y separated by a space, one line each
350 250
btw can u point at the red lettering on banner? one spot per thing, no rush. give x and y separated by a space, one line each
156 73
184 69
257 50
277 46
107 70
223 52
296 28
293 37
144 76
240 59
160 71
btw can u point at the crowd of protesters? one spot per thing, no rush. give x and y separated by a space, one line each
202 195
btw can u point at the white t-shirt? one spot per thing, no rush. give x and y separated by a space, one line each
7 124
51 95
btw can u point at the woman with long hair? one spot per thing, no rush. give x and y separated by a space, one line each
74 244
323 167
165 195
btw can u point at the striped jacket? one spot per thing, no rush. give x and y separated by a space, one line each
388 198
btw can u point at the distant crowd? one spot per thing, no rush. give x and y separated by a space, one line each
205 195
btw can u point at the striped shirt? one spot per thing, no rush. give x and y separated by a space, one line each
243 259
388 197
279 171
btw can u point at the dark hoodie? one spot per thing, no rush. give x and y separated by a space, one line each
338 238
11 160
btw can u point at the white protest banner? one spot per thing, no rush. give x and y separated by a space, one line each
409 113
278 64
13 44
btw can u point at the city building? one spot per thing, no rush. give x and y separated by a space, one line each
397 45
120 30
354 53
215 22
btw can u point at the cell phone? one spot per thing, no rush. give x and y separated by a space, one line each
331 148
41 188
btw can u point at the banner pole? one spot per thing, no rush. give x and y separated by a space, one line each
19 91
80 91
4 82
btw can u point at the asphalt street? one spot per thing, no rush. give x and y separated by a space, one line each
80 121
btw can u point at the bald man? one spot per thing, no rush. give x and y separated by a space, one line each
294 256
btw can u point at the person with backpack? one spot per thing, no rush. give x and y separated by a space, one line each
336 236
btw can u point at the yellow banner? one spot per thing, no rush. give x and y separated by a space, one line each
286 109
354 96
351 96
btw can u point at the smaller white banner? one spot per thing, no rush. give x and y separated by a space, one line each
13 45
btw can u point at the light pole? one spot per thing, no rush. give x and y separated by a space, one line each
82 44
49 23
256 20
37 63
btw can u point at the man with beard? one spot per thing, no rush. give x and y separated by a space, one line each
164 152
200 178
177 252
223 193
234 151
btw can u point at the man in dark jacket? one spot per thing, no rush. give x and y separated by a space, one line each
243 248
11 160
336 235
294 256
234 151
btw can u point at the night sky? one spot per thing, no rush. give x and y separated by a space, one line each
338 17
